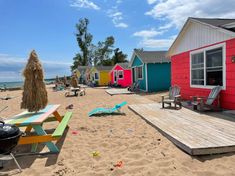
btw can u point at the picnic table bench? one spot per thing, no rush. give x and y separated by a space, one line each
35 121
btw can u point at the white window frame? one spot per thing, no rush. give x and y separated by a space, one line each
203 50
98 76
142 72
121 71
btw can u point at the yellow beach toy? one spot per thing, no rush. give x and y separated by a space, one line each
95 153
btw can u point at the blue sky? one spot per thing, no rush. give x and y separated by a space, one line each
48 26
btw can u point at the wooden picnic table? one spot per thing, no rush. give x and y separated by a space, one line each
35 121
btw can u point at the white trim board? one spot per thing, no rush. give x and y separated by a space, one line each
146 77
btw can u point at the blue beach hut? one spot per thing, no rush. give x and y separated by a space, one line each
151 69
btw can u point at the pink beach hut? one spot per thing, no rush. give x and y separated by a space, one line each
121 75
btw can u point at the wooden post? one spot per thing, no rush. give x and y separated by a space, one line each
57 116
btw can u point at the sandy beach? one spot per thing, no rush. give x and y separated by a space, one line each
142 150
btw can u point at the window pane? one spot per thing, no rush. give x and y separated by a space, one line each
197 82
197 67
197 77
214 67
120 74
214 58
197 60
214 77
139 72
198 74
96 76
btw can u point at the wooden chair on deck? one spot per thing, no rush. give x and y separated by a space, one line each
206 103
134 87
173 97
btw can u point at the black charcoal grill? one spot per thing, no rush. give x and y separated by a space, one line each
9 137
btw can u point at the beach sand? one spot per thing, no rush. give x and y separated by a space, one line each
127 138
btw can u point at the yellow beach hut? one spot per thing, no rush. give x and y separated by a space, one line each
100 75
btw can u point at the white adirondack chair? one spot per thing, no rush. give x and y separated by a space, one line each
206 103
173 97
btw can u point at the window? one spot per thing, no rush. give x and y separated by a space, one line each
139 72
120 74
207 67
96 76
197 69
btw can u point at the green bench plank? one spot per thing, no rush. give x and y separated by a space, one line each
63 124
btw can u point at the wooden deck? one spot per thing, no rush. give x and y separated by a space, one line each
195 133
118 91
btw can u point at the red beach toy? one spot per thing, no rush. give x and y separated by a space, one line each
119 164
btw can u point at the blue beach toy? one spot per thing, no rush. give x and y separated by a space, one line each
116 108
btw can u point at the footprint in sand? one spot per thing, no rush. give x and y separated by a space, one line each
140 162
134 155
165 163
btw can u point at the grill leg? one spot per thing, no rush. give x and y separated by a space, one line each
16 162
1 164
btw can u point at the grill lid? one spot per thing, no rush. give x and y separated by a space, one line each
7 130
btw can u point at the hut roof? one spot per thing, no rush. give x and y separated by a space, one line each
151 56
104 68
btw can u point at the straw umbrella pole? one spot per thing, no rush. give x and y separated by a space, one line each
65 81
34 92
57 80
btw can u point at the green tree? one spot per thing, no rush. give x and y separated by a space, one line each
77 60
107 62
84 39
118 57
104 50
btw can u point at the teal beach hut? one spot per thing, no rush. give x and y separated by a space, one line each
151 69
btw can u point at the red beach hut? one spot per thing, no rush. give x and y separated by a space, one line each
121 75
203 56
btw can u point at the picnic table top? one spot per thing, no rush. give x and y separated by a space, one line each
75 88
31 118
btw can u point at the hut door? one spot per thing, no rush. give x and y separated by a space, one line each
133 75
115 76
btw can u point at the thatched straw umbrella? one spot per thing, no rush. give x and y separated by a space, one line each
34 93
74 81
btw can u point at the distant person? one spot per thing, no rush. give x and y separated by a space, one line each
4 88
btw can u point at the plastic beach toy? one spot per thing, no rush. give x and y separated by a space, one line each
75 132
96 153
119 164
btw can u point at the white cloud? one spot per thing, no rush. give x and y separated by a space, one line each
11 68
175 12
148 33
84 4
117 18
156 43
151 1
121 25
149 40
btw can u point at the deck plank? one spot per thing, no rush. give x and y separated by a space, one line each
193 132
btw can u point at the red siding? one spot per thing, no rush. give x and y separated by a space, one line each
127 79
181 76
